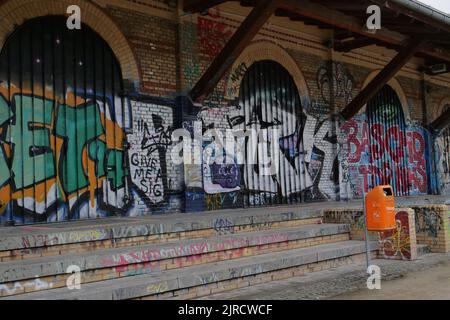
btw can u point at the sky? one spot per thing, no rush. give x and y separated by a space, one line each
443 5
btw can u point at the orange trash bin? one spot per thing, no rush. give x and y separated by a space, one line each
380 209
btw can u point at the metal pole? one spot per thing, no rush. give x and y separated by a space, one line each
365 229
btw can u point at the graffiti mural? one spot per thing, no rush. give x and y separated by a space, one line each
383 149
151 137
429 221
334 80
69 148
74 144
443 159
269 100
396 244
62 133
212 35
308 162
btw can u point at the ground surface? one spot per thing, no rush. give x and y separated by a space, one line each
425 278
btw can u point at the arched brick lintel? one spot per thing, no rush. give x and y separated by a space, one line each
265 50
395 85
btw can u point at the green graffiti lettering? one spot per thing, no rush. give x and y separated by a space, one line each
78 126
116 169
4 116
33 160
97 151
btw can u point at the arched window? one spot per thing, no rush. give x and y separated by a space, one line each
62 119
269 100
388 141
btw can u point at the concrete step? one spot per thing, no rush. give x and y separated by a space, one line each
24 242
210 278
18 276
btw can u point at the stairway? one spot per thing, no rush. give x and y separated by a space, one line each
171 257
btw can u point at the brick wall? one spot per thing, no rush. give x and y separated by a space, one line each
432 227
154 42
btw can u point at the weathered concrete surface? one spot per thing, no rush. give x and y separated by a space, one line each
25 237
121 257
424 278
169 280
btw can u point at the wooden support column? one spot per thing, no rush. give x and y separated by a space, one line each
442 122
382 78
235 46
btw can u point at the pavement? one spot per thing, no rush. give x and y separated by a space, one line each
432 284
428 277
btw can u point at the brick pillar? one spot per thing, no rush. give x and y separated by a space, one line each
432 226
400 244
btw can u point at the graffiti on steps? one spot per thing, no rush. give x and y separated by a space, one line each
223 226
20 287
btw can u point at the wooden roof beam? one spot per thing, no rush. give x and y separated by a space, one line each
382 78
235 46
339 20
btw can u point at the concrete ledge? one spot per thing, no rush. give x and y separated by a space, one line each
28 237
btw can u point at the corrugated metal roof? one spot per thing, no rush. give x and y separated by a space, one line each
425 9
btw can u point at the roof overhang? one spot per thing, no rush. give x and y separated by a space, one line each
407 26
